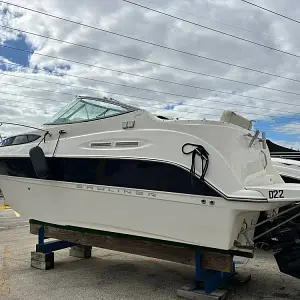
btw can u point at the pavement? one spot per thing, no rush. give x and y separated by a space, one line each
114 275
9 218
3 204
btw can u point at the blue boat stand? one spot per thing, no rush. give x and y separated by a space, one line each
47 247
210 280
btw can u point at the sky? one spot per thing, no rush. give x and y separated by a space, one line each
40 75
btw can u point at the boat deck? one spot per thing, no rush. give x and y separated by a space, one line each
114 275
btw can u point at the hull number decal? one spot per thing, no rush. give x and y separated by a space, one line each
276 194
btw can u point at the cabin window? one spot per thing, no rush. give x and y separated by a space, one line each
8 141
32 137
19 139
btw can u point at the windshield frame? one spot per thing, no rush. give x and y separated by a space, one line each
82 99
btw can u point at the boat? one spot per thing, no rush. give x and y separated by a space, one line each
279 230
282 234
279 151
286 161
284 240
288 169
105 165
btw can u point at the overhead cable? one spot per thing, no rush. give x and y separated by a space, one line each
271 11
141 76
212 29
163 101
138 40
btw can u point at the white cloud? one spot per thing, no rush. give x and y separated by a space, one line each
129 20
289 128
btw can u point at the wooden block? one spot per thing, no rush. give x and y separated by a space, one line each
44 257
81 251
217 261
42 265
187 293
43 261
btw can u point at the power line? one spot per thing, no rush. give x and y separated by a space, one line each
36 89
33 97
271 11
118 94
212 29
31 108
151 106
168 102
26 102
101 81
142 105
147 90
139 98
219 22
160 101
150 62
142 76
142 41
128 86
9 105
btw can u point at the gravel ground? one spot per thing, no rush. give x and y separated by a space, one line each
114 275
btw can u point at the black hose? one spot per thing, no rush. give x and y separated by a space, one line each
200 151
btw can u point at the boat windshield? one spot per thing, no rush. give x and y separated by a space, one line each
88 109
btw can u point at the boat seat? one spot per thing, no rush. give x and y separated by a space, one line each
233 118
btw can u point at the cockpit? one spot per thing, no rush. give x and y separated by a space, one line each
84 109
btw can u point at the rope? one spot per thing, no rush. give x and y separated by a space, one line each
200 151
59 135
44 138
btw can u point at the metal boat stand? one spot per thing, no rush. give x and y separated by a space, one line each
214 271
43 257
211 284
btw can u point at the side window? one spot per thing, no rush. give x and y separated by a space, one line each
8 141
32 137
20 139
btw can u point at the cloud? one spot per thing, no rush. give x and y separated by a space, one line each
289 128
196 98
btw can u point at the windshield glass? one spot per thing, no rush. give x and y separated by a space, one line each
86 109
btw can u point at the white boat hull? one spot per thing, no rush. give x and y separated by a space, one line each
158 215
195 182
